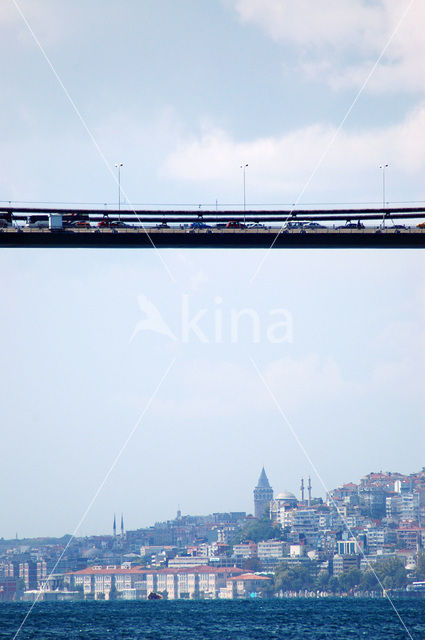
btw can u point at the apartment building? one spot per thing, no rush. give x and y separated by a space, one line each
343 564
349 547
137 583
245 550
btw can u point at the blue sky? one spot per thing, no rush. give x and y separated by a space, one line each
182 94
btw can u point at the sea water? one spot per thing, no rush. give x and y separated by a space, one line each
296 619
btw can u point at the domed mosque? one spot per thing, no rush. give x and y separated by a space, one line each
283 502
286 497
286 501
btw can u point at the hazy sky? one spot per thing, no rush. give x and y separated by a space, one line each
182 93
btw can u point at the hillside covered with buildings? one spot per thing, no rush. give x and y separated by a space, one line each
363 538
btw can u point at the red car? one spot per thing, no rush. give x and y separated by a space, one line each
235 224
80 224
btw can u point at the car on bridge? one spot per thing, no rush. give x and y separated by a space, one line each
6 220
119 224
351 225
313 225
78 224
294 225
256 225
235 224
199 225
112 224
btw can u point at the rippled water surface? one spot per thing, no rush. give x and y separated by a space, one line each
218 620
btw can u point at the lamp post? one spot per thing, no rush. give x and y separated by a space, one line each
244 166
383 167
119 165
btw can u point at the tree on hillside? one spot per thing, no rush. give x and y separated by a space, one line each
333 584
420 567
349 580
257 531
251 564
267 590
20 588
391 573
295 577
322 581
369 581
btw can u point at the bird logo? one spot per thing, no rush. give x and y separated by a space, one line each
152 321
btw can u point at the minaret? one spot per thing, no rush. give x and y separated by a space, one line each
115 526
302 489
309 491
122 526
263 494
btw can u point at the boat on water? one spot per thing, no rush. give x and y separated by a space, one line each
155 596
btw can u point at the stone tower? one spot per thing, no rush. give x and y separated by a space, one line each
263 494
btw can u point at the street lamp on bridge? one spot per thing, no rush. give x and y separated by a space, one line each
119 165
383 167
244 166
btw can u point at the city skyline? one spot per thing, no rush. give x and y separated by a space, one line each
364 539
105 410
305 489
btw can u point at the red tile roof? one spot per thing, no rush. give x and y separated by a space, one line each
249 576
199 569
93 571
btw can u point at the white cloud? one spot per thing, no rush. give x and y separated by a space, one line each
317 23
309 379
229 390
403 370
51 24
340 40
283 164
8 13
